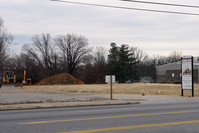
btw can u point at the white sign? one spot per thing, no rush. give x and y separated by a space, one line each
108 79
187 73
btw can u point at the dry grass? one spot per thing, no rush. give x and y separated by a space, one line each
135 88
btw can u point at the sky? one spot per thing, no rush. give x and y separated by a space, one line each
154 33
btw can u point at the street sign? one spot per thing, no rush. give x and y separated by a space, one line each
108 79
187 73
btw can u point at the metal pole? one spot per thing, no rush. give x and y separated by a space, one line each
181 78
192 77
111 87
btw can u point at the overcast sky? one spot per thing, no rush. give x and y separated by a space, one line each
154 33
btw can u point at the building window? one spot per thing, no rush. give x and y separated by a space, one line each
173 75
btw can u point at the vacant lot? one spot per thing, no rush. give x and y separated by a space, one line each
135 88
137 92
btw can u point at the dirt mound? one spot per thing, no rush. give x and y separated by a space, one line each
78 81
60 79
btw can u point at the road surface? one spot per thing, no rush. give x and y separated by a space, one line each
137 118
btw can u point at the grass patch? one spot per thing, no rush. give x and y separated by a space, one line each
134 88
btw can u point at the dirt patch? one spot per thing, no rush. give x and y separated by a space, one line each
27 96
60 79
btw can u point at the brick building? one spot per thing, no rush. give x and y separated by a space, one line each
171 73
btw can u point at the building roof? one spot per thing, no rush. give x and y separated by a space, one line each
161 70
169 64
195 63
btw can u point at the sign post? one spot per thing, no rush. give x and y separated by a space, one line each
111 85
187 73
110 79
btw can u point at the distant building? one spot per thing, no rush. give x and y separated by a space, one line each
171 73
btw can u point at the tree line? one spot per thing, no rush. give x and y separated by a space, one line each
71 53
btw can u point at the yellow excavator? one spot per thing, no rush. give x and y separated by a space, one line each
9 80
9 77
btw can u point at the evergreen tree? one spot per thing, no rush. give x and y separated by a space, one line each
121 63
113 59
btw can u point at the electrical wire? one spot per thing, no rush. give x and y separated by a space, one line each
128 8
159 3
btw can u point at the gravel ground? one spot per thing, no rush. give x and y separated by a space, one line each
20 95
14 95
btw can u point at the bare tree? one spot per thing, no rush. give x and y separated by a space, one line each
159 60
174 57
43 53
99 55
139 55
74 51
95 70
141 60
5 40
100 64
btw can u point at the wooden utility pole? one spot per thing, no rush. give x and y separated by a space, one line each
111 87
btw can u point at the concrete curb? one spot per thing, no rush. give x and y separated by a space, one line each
64 104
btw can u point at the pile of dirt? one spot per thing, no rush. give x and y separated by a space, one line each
60 79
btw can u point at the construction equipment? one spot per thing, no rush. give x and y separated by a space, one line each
26 81
9 80
29 81
9 77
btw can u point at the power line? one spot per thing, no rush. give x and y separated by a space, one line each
159 3
129 8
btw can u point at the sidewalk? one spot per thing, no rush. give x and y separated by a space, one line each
121 99
64 104
162 99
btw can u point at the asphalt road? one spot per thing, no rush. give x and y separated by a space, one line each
137 118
